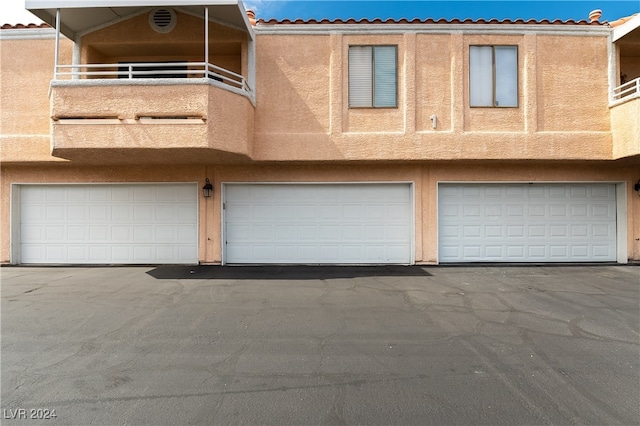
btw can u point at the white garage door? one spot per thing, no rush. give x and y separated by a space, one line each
318 224
526 222
108 224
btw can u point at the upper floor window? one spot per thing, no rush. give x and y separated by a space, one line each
493 76
373 76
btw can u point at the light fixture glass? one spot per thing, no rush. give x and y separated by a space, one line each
207 189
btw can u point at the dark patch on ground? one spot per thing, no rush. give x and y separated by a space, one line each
210 272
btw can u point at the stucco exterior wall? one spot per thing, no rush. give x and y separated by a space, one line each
552 120
434 71
24 101
424 177
625 127
572 90
302 129
294 85
302 111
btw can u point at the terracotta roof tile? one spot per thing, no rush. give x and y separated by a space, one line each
424 21
21 26
621 21
352 21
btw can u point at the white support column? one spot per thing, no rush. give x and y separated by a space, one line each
76 58
251 65
206 41
57 48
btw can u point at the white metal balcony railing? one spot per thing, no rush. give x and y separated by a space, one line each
627 90
153 70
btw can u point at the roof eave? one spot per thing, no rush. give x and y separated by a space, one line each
626 28
102 12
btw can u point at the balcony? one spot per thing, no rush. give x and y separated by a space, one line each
625 120
150 113
624 100
169 82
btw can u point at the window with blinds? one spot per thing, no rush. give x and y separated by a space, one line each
493 76
373 76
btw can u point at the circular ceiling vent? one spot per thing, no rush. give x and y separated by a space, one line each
162 20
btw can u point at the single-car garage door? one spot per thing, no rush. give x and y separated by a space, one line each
108 224
526 222
318 223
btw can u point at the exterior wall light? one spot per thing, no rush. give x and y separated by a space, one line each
207 189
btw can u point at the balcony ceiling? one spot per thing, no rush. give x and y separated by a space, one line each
79 16
630 44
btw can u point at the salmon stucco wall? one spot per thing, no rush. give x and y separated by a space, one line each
625 128
302 111
434 71
293 91
24 99
572 84
553 120
99 123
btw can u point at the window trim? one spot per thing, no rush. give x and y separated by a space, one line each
373 79
493 75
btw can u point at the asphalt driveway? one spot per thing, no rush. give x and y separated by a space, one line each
390 345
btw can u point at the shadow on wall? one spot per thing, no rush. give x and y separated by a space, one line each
180 272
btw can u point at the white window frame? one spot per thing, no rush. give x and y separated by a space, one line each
494 77
367 87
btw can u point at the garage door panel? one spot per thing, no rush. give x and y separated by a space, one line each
94 224
602 191
187 234
539 222
604 211
398 233
318 223
76 254
120 233
187 252
307 233
330 233
537 252
491 231
515 252
143 213
602 251
120 254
